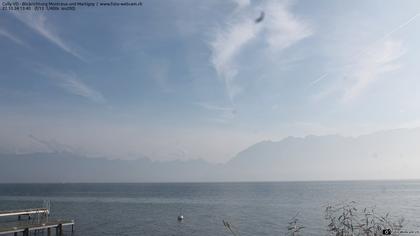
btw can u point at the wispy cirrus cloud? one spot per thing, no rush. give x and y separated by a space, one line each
353 79
380 59
366 65
52 145
242 3
224 114
72 84
279 30
320 78
12 37
283 28
226 46
40 24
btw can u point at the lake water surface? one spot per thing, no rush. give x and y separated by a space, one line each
253 208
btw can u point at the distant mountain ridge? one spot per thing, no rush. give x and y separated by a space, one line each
392 154
69 167
380 155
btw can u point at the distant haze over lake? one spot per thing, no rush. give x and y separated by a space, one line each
392 154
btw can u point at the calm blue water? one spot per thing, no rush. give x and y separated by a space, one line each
254 208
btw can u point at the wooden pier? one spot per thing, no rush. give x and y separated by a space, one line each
40 222
26 227
26 212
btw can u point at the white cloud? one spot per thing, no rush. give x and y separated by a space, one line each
73 85
223 114
39 23
242 3
365 66
12 37
283 27
52 145
379 59
279 30
226 46
214 107
317 80
362 71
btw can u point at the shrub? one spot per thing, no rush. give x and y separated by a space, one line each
345 220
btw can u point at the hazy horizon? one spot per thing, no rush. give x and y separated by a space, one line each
392 154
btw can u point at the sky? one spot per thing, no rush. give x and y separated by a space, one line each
201 79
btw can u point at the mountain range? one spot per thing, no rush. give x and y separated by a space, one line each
392 154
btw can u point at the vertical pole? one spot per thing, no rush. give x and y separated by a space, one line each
49 231
15 234
61 229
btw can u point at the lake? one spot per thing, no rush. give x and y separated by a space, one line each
252 208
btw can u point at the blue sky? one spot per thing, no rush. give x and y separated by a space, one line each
200 79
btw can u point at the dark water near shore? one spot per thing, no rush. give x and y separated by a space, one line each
254 208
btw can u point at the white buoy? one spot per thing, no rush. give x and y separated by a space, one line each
180 218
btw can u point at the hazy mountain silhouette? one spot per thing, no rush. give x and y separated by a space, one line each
381 155
392 154
69 167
